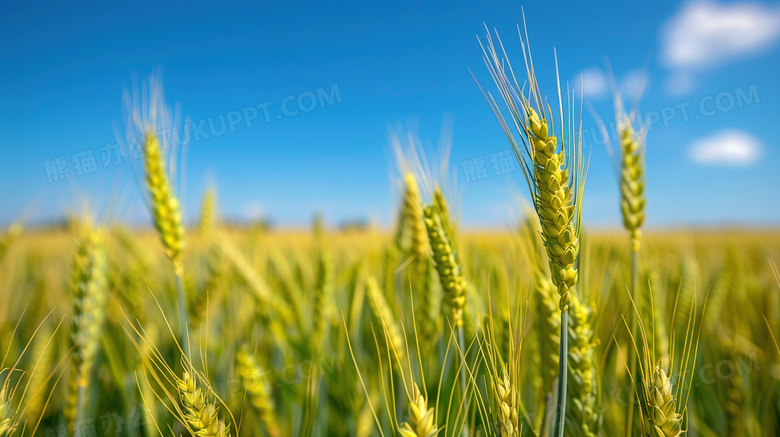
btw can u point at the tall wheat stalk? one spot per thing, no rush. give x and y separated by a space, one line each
167 219
555 174
88 286
632 204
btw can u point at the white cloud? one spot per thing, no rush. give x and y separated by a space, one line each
634 83
592 83
253 210
680 82
705 34
727 147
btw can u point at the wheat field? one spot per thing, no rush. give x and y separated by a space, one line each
543 328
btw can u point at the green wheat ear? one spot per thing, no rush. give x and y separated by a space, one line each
199 412
664 419
632 183
555 173
555 203
447 262
165 207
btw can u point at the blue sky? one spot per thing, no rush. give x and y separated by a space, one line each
347 72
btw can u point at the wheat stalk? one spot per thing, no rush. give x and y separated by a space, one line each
88 287
166 213
555 174
451 278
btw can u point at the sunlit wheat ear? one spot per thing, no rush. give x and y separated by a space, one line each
256 388
88 287
200 413
164 204
632 182
451 276
553 166
664 419
421 418
555 173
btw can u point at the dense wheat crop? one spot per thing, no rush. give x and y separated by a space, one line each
259 375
